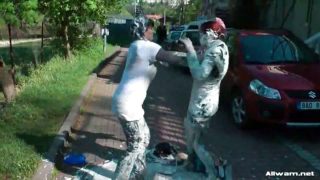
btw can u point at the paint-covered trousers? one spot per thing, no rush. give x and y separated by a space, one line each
138 136
195 145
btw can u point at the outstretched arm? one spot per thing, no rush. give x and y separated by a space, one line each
169 57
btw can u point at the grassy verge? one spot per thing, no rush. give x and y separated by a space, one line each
24 53
28 126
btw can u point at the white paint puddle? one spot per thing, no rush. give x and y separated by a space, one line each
103 171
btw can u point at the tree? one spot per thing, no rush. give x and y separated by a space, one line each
182 11
192 10
71 14
156 8
14 12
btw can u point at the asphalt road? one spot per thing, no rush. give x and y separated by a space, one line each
253 153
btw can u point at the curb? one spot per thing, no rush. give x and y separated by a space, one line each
44 171
47 164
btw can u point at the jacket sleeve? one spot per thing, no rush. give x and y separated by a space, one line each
215 58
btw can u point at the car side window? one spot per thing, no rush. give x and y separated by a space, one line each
193 27
184 34
175 35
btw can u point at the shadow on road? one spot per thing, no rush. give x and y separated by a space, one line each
112 68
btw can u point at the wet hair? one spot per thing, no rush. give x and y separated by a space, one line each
139 27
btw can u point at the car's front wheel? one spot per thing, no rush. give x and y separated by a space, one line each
239 113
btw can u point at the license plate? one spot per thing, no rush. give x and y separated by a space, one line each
309 105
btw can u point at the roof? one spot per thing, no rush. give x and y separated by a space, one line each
244 32
119 17
179 28
199 22
153 16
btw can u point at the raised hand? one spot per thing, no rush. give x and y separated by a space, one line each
188 44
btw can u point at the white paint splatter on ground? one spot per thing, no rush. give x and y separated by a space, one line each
103 171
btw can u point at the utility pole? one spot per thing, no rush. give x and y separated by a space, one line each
135 8
164 17
181 13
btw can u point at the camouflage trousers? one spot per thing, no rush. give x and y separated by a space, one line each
138 136
195 146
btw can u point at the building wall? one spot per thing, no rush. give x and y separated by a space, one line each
298 20
244 14
302 18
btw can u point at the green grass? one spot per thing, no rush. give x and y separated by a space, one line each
28 126
25 53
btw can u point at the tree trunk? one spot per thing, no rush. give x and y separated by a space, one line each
7 83
7 78
42 50
10 45
11 55
66 41
181 13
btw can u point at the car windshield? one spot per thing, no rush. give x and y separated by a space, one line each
275 49
175 35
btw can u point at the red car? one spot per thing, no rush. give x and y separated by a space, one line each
273 77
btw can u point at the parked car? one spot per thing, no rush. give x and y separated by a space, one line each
273 77
314 42
196 24
190 30
178 48
172 38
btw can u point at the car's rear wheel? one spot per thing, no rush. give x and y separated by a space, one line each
239 113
